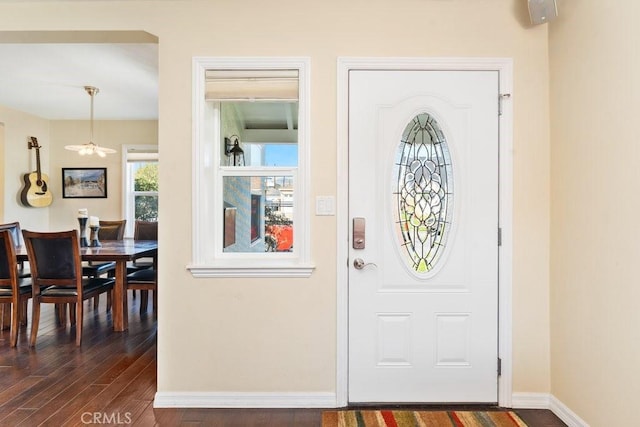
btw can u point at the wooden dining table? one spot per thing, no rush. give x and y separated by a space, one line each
120 251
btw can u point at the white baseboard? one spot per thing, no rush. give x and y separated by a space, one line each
328 400
244 400
531 400
548 401
563 412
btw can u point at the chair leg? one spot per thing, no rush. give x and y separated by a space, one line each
72 313
78 316
15 323
109 293
61 314
6 316
35 320
96 302
144 301
155 300
23 312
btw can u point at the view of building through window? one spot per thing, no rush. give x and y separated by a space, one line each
259 193
278 212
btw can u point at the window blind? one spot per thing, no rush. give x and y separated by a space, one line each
251 85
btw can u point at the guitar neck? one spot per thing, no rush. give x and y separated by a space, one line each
38 164
33 143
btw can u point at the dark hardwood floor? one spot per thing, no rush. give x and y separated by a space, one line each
111 380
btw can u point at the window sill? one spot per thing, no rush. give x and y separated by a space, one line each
234 270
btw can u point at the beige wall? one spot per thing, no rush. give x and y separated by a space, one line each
113 134
595 299
273 335
19 160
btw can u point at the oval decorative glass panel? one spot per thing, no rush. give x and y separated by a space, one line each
424 192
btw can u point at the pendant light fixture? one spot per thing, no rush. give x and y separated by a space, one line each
90 147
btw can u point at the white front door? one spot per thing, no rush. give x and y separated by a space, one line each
423 208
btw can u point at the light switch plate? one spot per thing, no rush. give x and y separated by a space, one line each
325 205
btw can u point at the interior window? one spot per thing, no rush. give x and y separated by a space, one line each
141 185
251 176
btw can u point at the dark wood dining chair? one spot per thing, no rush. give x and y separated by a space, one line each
14 291
23 269
144 280
56 275
16 235
109 230
143 230
112 230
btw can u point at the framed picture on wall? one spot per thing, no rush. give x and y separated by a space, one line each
84 183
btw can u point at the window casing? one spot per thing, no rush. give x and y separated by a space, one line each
215 254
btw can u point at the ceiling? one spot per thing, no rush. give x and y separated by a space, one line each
48 79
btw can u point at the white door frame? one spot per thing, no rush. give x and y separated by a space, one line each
505 254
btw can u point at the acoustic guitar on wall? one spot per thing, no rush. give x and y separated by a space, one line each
36 192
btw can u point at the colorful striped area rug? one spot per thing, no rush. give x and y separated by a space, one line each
392 418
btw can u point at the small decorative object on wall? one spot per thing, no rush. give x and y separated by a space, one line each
84 183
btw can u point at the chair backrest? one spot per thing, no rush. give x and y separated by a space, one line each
146 230
112 230
14 228
8 272
54 258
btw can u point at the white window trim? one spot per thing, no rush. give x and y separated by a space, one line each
207 208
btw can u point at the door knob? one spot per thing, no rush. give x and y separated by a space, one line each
359 263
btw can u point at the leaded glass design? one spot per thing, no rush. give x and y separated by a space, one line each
424 195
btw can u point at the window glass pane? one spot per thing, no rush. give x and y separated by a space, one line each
145 176
146 207
281 155
145 190
258 213
265 132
